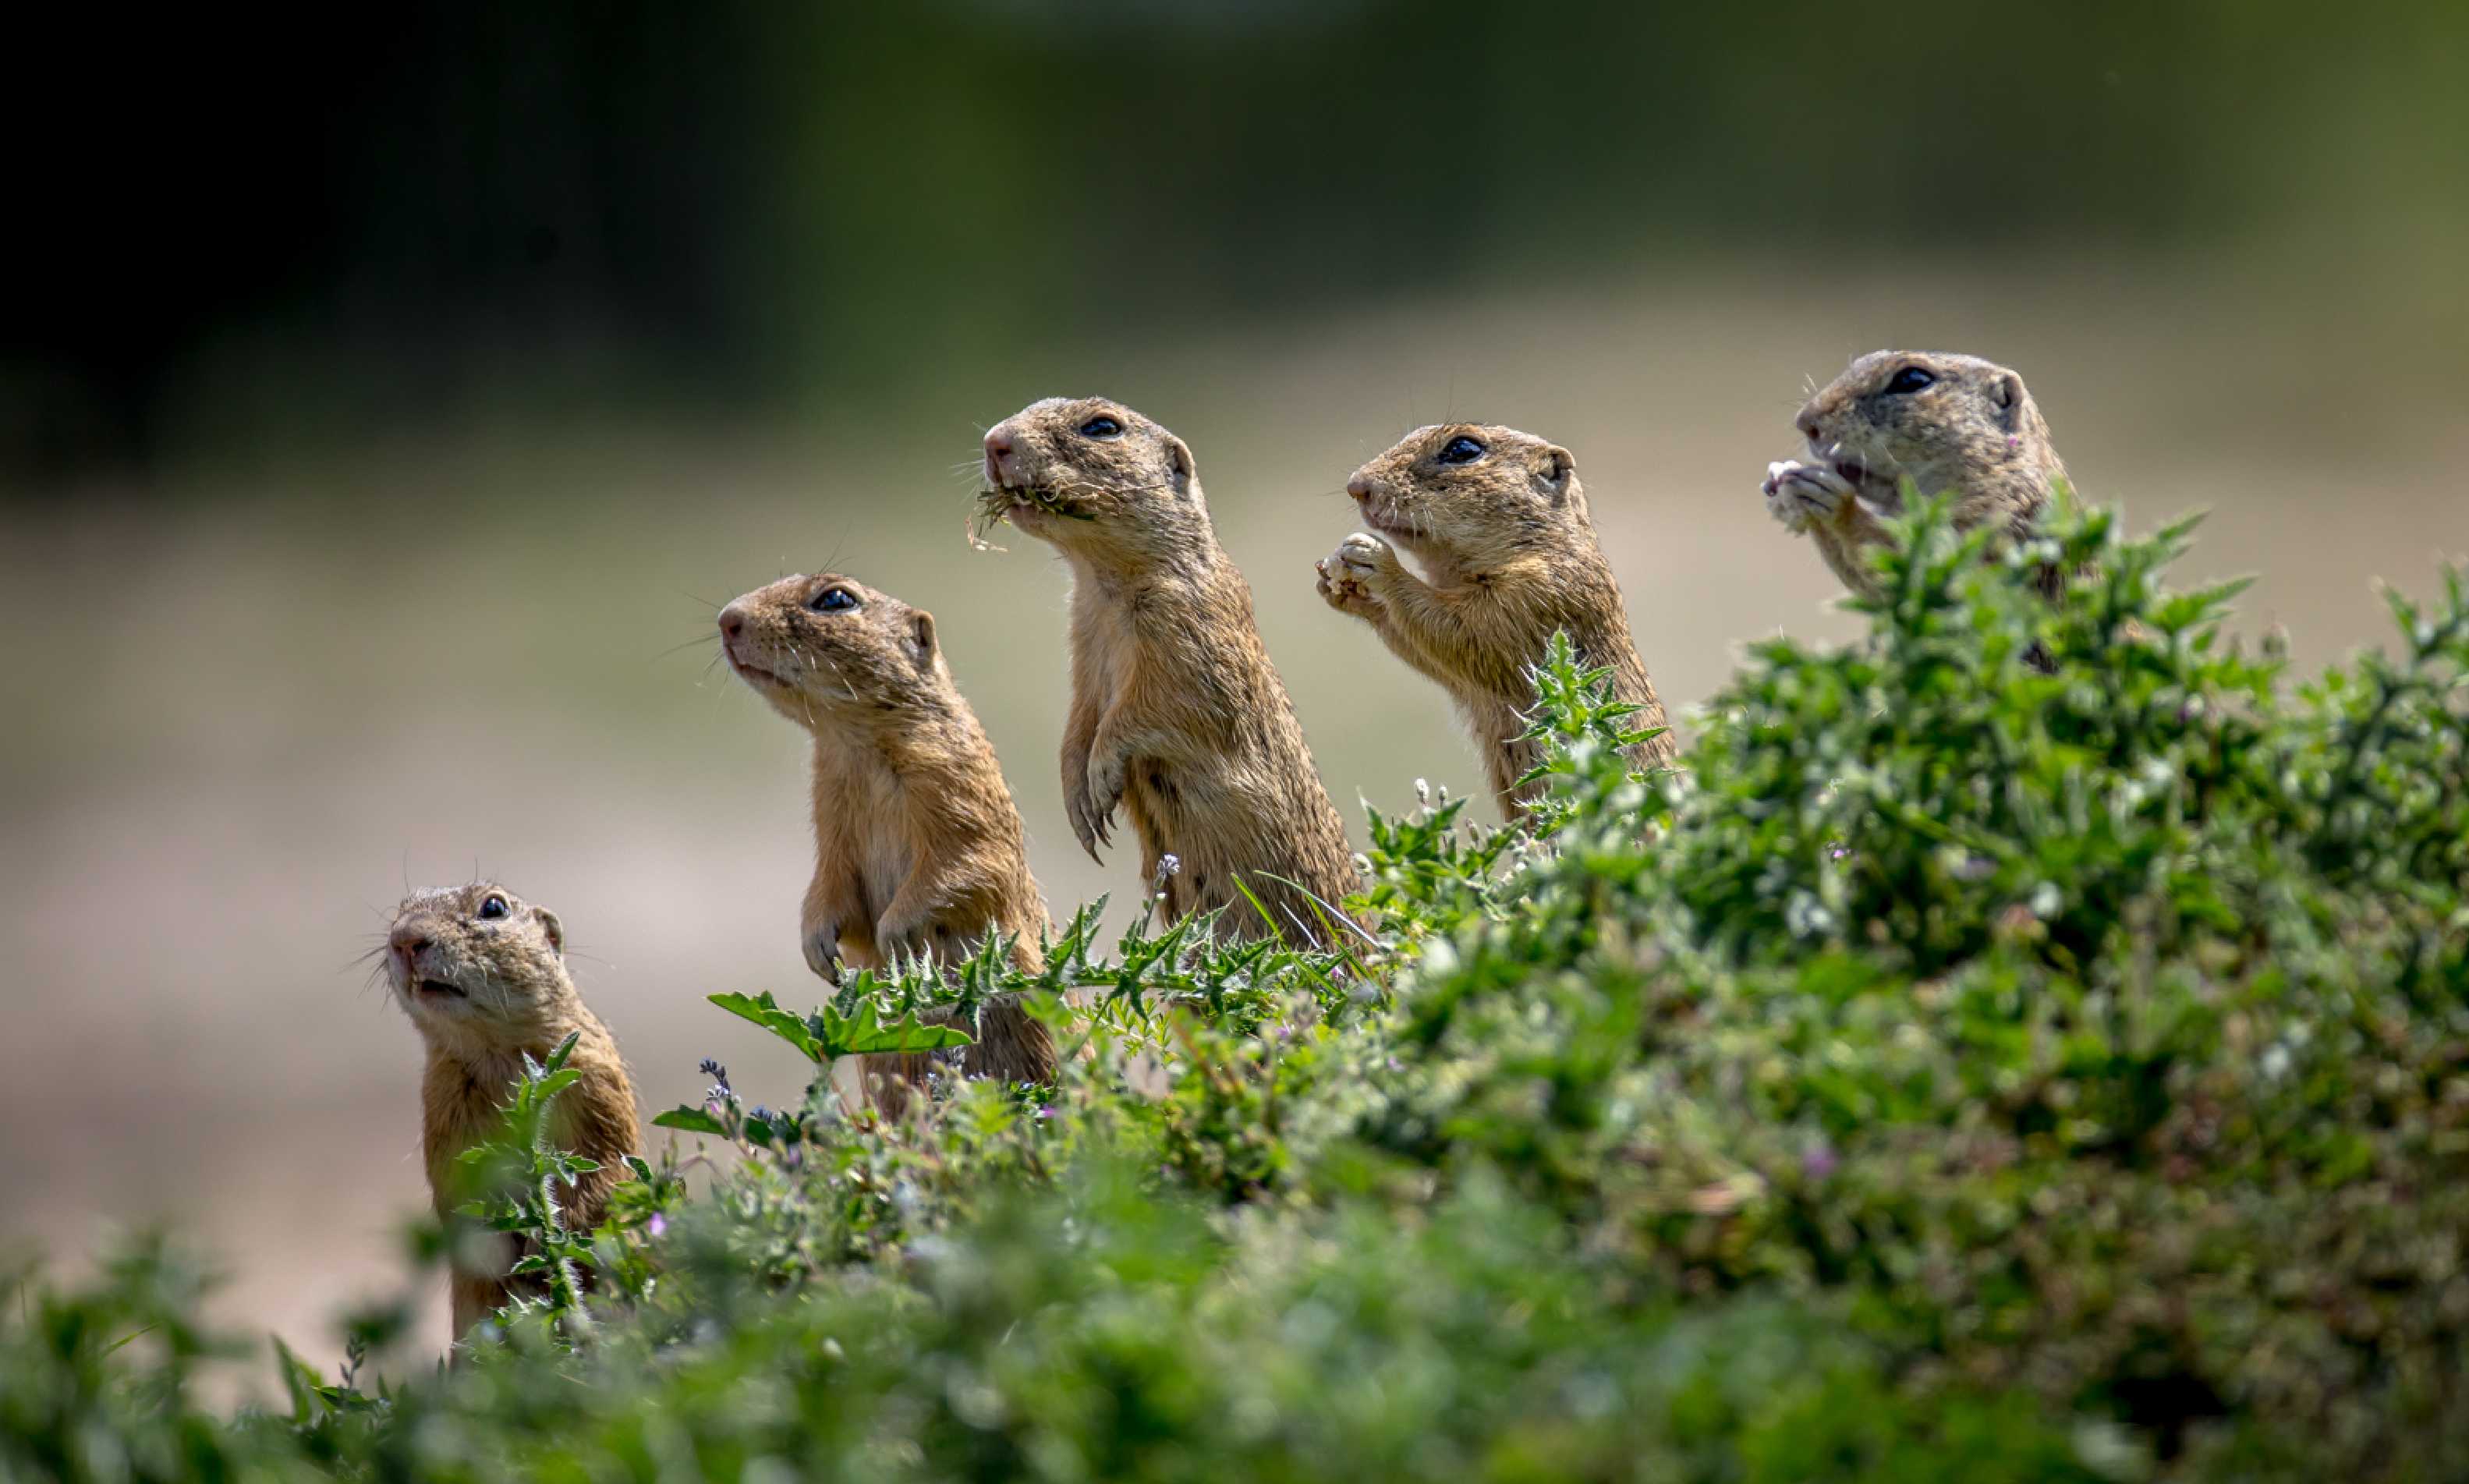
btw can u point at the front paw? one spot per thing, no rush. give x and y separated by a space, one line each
1345 573
1102 791
1801 495
1091 820
821 943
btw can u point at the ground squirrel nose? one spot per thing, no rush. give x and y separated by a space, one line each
1358 486
732 621
1808 426
408 941
999 448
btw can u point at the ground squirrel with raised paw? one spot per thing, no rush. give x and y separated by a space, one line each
1499 519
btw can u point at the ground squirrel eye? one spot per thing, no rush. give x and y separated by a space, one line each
1910 379
1101 427
1461 450
833 600
495 906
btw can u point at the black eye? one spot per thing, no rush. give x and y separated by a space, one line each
1461 450
833 600
495 906
1910 379
1101 427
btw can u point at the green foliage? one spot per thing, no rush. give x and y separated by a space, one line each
512 1181
1970 1067
828 1034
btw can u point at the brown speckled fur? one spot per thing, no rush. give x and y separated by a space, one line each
1514 559
918 846
517 1000
1176 712
1974 434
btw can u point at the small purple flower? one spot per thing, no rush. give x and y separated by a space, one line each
1817 1163
659 1224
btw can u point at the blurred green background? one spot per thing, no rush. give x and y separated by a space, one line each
386 400
257 229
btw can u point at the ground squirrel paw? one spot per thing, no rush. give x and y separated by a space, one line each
1343 573
822 947
1798 494
1093 827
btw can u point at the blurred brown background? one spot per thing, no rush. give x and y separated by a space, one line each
381 402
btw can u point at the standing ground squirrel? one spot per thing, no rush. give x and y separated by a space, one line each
918 846
1499 519
482 975
1176 711
1947 424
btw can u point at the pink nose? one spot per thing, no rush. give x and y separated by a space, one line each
408 941
1001 448
732 621
1358 487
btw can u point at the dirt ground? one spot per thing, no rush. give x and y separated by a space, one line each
258 704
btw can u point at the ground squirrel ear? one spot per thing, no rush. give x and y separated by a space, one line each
2006 395
1178 460
1555 469
921 635
555 929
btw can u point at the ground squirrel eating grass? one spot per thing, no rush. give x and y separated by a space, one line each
482 975
1176 712
1944 424
918 846
1499 519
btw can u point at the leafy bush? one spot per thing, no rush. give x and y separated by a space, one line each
1963 1069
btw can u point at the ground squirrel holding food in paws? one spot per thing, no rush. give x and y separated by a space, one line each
1943 424
1499 519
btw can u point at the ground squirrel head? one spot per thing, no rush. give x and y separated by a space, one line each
478 967
1943 422
1471 494
1094 477
830 649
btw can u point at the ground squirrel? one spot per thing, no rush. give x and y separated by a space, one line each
482 975
918 846
1176 711
1499 519
1947 424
